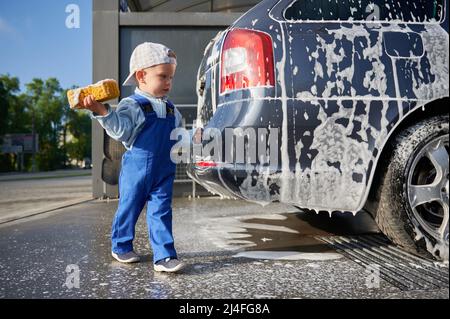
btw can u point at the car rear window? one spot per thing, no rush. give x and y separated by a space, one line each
364 10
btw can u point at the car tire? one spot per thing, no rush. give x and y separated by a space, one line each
411 201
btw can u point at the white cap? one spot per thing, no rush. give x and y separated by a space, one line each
148 54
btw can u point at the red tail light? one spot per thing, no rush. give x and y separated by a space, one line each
247 60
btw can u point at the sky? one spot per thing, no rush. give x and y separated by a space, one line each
39 39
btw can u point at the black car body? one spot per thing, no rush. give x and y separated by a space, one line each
337 81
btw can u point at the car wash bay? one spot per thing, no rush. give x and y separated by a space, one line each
233 249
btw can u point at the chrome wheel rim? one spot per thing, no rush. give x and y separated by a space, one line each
428 188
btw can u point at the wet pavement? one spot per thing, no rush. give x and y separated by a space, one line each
23 195
233 249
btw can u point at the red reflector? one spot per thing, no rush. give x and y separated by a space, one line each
247 60
206 164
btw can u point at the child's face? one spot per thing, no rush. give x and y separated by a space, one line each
156 80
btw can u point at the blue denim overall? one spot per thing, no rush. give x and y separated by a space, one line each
147 176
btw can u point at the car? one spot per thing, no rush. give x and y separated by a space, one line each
346 103
87 163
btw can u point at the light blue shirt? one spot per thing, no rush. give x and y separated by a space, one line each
126 122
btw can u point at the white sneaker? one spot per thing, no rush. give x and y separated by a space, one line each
129 257
169 265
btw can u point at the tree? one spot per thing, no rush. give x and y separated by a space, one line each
46 107
78 124
13 118
43 108
11 113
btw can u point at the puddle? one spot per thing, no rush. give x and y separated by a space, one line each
286 236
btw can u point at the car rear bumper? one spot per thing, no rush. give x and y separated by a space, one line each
237 181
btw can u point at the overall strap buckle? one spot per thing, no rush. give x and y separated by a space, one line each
170 108
147 107
143 102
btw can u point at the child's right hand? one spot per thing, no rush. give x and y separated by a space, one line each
197 138
91 104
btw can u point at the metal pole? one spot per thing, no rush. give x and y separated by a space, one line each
33 165
21 161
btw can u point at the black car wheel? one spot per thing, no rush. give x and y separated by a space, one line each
412 200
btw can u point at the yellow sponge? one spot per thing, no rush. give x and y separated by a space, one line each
102 91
